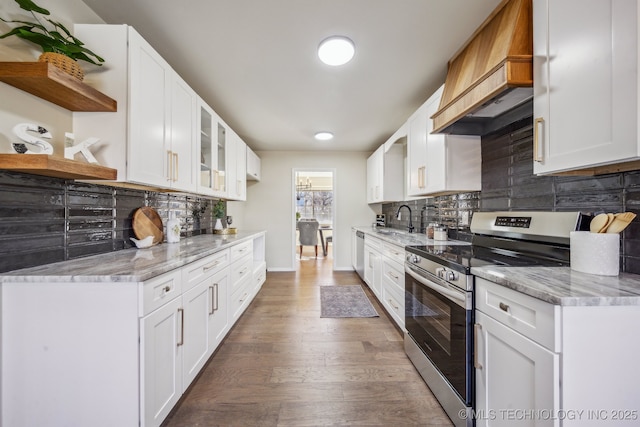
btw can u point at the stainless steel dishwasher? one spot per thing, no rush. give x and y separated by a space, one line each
360 254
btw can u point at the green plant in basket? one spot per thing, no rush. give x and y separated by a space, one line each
50 35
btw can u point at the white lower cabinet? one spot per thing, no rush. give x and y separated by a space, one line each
373 265
118 353
384 274
513 372
160 362
539 364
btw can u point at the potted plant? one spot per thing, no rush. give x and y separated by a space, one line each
59 46
218 212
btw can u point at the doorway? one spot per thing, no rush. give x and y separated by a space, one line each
314 201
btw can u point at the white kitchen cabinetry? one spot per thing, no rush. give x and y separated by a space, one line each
384 174
151 139
585 85
241 289
440 163
516 361
547 360
161 353
373 264
253 165
142 343
237 167
211 146
392 297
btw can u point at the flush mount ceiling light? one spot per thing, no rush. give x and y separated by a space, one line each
323 136
336 50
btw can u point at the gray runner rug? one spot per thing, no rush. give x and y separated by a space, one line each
345 301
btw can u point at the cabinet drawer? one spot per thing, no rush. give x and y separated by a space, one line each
241 296
533 318
393 273
241 249
393 300
394 252
239 270
259 276
159 291
194 273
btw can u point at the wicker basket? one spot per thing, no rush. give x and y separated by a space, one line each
64 63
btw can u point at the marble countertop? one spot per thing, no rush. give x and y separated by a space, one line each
403 238
563 286
130 265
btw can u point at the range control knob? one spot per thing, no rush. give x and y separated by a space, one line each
413 258
451 276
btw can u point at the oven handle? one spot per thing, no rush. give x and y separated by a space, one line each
456 296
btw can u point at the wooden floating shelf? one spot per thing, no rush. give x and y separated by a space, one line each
57 167
54 85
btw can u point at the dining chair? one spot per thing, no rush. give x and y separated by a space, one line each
308 234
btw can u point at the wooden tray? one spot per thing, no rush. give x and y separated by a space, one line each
147 222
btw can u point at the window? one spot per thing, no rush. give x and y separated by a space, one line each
316 204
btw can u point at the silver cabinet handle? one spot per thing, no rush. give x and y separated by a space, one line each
210 266
476 328
244 296
181 342
213 298
503 307
216 307
166 289
395 307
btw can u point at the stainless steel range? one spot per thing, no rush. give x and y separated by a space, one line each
439 299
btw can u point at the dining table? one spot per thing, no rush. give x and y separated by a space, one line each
321 231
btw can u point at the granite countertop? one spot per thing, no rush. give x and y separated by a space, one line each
563 286
403 238
130 265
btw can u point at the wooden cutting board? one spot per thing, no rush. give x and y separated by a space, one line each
147 222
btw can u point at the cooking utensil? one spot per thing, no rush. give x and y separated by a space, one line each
600 222
147 222
620 222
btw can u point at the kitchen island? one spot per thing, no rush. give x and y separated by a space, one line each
116 339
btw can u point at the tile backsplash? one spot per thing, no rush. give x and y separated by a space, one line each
45 220
508 183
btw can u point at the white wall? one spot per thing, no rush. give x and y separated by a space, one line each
17 106
269 204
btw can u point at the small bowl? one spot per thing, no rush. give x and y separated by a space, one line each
143 243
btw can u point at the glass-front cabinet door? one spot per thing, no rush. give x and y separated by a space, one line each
212 146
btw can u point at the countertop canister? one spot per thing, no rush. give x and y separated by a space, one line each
595 253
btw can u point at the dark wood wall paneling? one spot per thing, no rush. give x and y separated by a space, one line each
45 220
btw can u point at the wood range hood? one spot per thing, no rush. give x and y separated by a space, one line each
491 76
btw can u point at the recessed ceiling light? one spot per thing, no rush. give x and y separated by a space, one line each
336 50
323 136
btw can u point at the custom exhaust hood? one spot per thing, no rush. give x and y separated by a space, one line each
491 77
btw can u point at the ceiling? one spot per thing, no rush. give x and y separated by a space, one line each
254 61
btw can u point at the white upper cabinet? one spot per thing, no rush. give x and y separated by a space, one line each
212 146
163 134
384 174
253 165
151 139
236 167
585 84
440 163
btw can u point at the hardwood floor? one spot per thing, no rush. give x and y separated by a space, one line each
283 365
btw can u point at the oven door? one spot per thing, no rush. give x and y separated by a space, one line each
439 317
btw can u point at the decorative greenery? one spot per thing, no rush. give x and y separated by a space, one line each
57 39
218 209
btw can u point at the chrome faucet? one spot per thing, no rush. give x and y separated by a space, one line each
410 227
